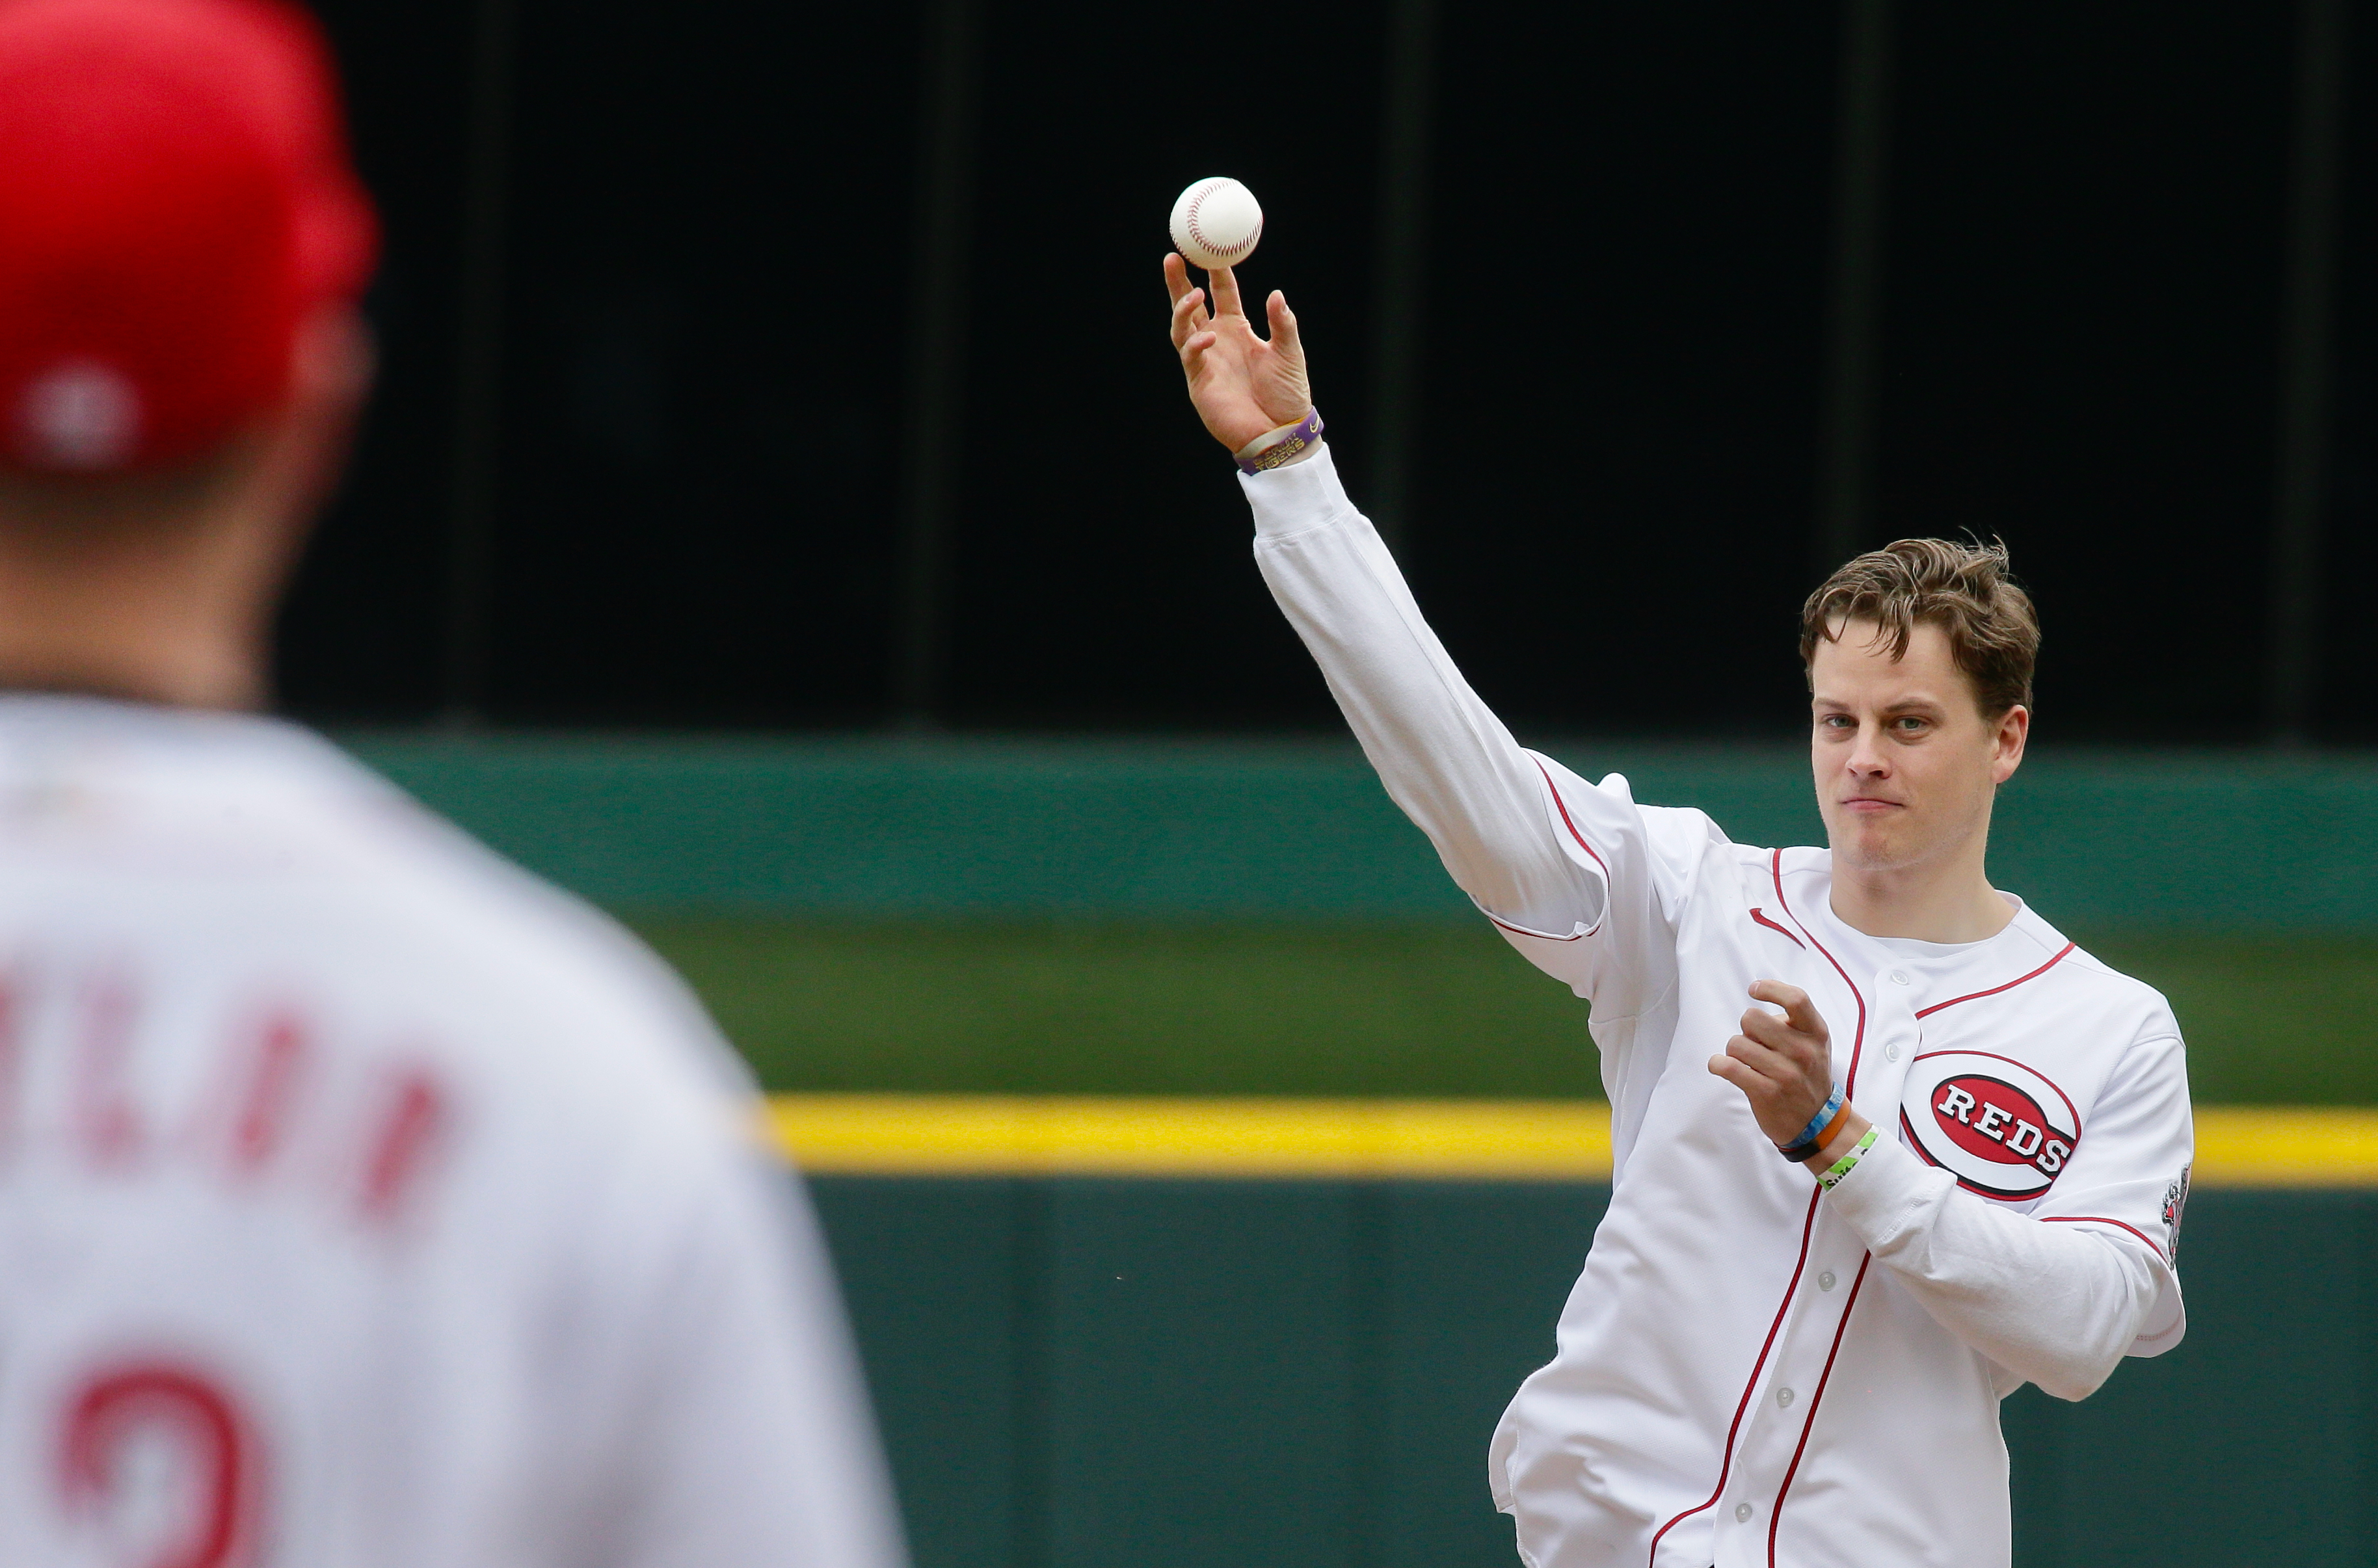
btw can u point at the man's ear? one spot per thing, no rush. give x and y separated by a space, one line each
2006 744
332 361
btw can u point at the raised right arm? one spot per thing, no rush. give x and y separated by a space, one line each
1582 882
1490 808
1443 755
1571 871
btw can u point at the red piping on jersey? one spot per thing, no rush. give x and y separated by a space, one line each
1858 1043
1562 807
1725 1467
1994 1055
1760 915
2101 1219
1775 1514
1539 935
2010 985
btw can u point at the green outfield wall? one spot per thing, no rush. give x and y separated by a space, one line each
1086 1372
2237 842
1082 1373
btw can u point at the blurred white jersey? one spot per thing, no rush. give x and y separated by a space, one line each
365 1201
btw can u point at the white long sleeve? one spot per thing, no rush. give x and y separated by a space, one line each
2058 1305
1444 757
2060 1294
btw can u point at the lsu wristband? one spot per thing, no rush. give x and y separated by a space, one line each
1829 1179
1276 447
1812 1137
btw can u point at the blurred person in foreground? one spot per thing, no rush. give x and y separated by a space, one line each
362 1200
1885 1144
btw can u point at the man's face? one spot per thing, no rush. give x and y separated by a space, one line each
1905 763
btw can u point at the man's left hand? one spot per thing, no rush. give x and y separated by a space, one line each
1783 1066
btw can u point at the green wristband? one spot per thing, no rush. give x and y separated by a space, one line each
1843 1167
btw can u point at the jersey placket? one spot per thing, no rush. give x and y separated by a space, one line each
1783 1427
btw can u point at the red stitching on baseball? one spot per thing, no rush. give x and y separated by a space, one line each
1196 204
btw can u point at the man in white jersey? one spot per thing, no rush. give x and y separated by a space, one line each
1942 1154
363 1202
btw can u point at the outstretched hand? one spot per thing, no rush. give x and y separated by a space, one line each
1242 385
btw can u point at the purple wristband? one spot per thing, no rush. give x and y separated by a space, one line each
1273 447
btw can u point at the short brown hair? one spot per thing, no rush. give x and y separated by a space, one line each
1962 589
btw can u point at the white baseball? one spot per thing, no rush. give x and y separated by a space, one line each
1216 223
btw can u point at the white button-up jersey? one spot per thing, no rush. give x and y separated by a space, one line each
1751 1371
364 1201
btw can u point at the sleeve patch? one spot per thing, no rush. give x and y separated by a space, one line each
2175 1206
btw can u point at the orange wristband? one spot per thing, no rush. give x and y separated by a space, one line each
1833 1130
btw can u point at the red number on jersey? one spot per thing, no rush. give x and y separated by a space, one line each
123 1410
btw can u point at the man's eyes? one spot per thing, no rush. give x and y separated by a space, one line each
1906 724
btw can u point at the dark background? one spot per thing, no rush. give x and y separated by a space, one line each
694 358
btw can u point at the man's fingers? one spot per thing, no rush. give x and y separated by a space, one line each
1733 1072
1805 1017
1797 1008
1778 1034
1188 316
1176 275
1193 353
1771 1065
1226 291
1283 326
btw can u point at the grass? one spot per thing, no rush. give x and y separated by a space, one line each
2269 1020
1423 1010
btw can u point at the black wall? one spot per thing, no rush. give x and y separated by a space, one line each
708 276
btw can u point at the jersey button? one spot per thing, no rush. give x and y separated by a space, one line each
1892 1050
1783 1398
1741 1513
1825 1280
1899 976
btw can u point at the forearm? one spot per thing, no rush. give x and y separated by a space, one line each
2058 1305
1444 757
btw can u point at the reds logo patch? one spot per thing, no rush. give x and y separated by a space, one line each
1999 1128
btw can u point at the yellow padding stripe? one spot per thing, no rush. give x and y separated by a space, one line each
1473 1140
2286 1146
998 1135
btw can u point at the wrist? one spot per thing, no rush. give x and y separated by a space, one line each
1811 1140
1283 444
1842 1136
1852 1151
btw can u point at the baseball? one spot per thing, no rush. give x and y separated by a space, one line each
1216 223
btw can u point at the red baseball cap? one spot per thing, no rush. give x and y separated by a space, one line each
175 201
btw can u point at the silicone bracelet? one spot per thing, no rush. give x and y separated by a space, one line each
1830 1178
1826 1140
1276 447
1813 1151
1812 1137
